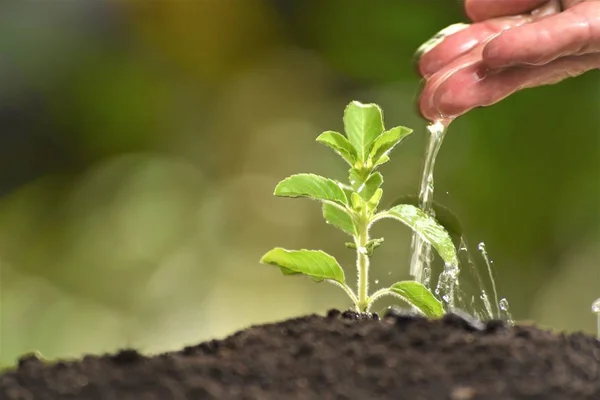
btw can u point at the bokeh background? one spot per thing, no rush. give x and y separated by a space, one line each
140 142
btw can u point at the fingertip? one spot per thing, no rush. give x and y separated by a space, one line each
431 54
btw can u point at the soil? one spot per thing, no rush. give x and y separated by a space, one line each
338 356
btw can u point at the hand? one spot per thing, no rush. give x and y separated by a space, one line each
508 48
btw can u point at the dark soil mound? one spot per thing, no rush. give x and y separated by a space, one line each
335 357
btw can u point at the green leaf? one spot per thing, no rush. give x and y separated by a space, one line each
338 143
382 160
316 264
443 215
357 177
368 189
338 218
384 144
312 186
363 123
419 296
427 227
356 201
373 202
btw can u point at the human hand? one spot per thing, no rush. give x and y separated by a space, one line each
508 47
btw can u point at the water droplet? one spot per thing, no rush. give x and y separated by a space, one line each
376 281
390 273
503 304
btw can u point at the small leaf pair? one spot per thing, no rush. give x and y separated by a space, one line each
353 209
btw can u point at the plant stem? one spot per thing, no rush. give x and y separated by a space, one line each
378 294
346 289
362 262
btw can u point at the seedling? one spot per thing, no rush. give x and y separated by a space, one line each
352 208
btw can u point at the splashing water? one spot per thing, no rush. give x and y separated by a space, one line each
505 311
448 284
483 251
448 288
482 309
596 310
464 255
502 304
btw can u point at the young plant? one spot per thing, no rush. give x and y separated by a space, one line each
352 208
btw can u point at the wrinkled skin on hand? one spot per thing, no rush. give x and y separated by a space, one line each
511 45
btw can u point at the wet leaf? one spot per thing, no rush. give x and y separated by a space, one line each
315 264
427 227
419 296
312 186
363 123
443 215
340 144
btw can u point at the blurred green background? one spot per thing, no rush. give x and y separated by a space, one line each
140 142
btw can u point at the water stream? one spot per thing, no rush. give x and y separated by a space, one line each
420 264
448 285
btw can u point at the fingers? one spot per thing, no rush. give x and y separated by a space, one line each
571 3
466 88
575 31
480 10
463 41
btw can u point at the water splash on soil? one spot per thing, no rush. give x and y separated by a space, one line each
596 310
